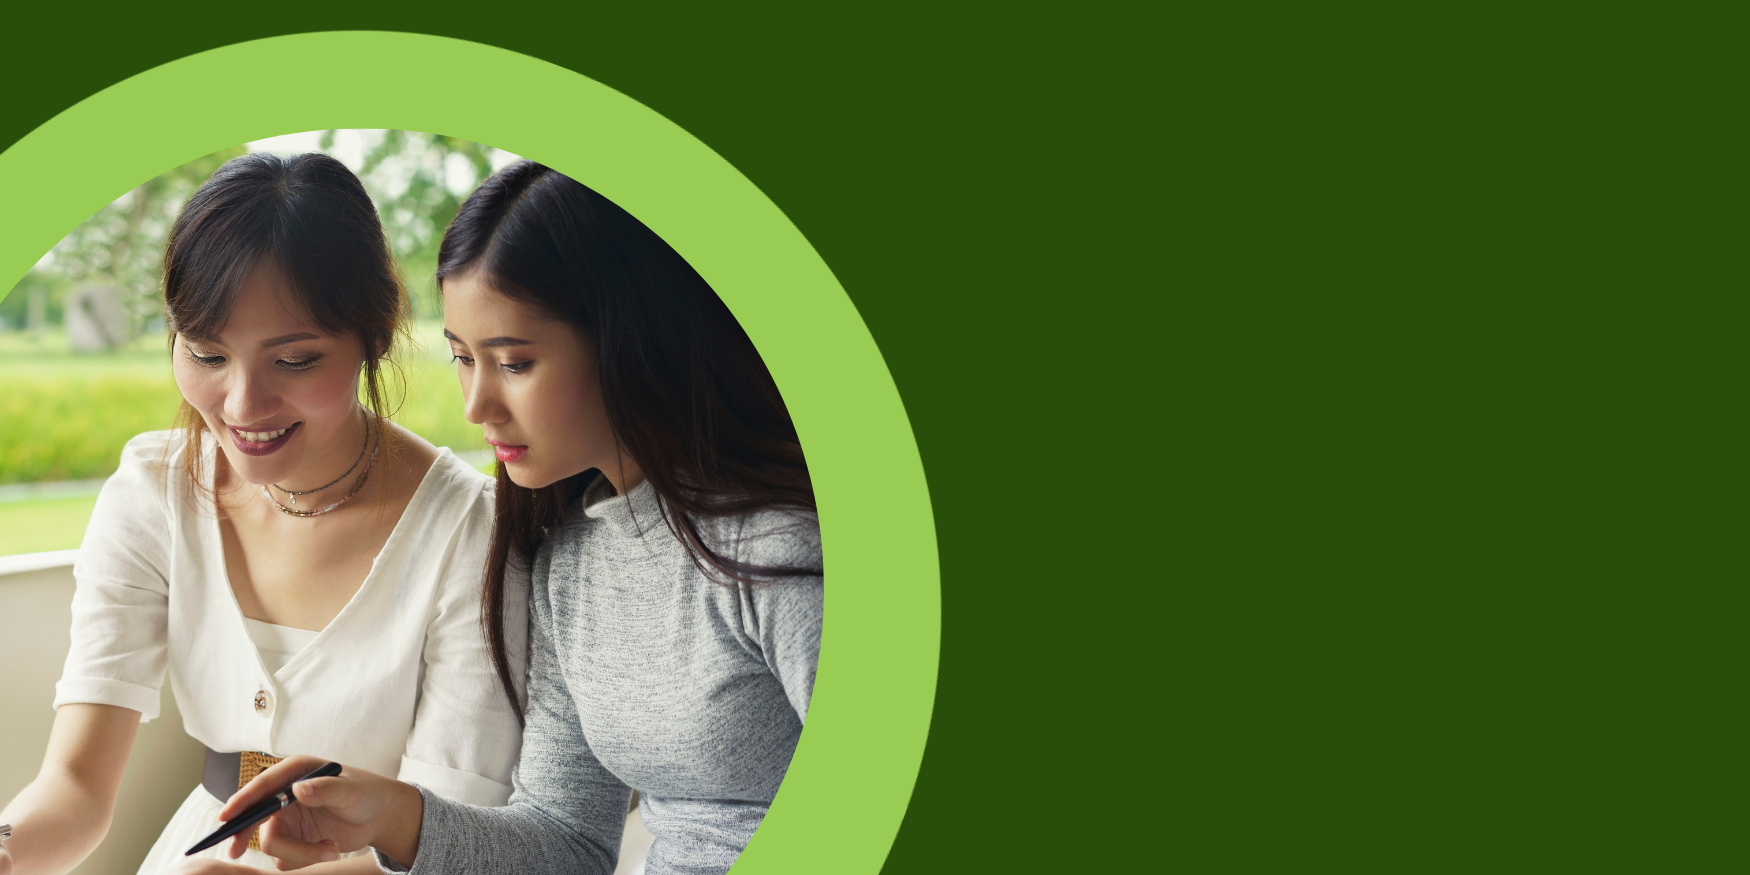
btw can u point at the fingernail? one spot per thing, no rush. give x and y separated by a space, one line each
329 855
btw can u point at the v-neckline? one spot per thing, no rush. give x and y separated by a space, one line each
326 631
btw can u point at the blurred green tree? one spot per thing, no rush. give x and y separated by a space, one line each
418 181
122 245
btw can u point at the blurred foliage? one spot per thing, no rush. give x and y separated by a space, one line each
418 181
71 425
122 246
65 415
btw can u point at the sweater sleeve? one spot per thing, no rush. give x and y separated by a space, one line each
121 605
783 617
566 813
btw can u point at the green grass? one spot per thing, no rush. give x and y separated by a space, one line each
44 524
66 415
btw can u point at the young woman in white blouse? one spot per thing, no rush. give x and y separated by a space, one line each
307 571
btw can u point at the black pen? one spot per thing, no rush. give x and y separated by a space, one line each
260 812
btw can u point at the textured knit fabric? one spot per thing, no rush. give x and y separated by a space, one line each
646 674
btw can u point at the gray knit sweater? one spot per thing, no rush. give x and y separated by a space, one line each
645 674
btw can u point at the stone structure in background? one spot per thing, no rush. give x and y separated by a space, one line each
96 319
36 308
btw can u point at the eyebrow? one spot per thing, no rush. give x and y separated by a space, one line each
496 341
289 338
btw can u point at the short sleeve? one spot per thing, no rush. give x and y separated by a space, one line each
465 736
121 603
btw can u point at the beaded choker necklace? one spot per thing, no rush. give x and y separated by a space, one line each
363 475
355 464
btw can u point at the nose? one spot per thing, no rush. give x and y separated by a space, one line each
250 398
481 402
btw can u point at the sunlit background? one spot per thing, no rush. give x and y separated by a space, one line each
84 364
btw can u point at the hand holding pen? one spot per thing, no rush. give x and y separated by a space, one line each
259 812
342 813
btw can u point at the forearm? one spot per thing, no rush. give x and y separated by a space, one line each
517 839
61 816
56 823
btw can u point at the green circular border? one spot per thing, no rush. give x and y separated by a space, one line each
852 777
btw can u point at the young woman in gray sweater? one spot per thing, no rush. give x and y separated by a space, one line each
655 510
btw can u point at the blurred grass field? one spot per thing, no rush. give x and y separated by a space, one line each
45 524
65 416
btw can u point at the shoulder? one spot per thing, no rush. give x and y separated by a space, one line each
773 538
454 481
416 465
138 511
154 447
150 463
456 498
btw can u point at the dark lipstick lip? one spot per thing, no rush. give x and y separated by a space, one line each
250 448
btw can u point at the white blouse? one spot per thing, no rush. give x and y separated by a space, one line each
277 644
400 682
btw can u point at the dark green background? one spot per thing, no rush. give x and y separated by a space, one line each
1332 417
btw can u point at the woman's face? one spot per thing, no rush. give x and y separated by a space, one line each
279 393
533 387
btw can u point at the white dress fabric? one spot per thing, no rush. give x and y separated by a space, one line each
399 683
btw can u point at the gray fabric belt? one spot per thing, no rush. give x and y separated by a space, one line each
219 773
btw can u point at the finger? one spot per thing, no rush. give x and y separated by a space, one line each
239 844
291 852
270 781
337 792
327 853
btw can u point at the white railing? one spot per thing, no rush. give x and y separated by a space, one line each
25 563
50 489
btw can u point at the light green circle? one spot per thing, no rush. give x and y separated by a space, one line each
848 786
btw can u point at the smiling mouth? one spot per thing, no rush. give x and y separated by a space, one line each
266 442
261 437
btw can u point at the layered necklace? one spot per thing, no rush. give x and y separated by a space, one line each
360 484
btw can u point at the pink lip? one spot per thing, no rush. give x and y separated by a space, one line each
250 448
507 452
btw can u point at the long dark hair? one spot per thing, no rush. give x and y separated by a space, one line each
308 217
687 395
